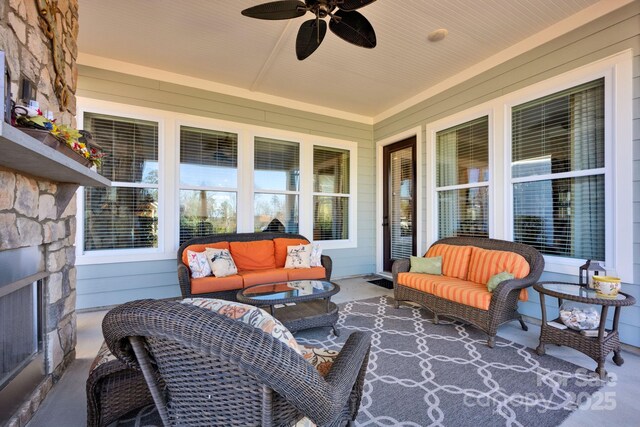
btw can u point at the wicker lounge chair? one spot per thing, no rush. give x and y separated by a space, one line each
220 371
504 300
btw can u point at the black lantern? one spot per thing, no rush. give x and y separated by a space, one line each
588 270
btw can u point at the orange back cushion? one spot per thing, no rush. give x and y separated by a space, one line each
455 259
485 263
256 255
201 248
280 244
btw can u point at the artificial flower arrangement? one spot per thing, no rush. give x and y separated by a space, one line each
32 117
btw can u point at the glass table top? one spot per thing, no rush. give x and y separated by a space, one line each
286 290
578 291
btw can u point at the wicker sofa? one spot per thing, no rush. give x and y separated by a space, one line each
468 300
247 249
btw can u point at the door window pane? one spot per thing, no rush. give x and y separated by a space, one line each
401 203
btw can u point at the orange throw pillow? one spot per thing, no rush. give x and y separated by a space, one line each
256 255
455 259
281 244
201 248
485 263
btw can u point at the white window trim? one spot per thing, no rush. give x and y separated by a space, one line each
483 110
169 187
87 105
417 133
617 71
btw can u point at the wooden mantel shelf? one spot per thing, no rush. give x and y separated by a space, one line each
23 153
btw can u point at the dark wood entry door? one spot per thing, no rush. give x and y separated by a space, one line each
399 196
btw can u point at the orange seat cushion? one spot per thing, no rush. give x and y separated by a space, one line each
312 273
467 293
451 288
455 259
256 255
485 263
208 284
258 277
201 248
280 245
426 282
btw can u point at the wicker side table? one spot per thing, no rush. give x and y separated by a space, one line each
595 347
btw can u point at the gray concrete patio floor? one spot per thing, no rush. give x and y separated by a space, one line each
616 405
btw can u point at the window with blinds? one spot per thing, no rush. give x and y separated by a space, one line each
208 182
124 216
331 176
462 179
558 175
276 180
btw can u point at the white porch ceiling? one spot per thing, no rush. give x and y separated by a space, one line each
211 40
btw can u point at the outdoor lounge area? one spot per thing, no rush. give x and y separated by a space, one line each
319 212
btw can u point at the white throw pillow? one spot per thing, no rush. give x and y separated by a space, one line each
198 264
298 256
316 255
221 263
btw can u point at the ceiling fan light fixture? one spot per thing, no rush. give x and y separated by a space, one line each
437 35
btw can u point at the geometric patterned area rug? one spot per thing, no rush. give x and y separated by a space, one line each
422 374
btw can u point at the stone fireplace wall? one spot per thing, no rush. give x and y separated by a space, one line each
36 212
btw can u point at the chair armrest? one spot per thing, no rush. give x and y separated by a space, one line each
327 263
184 280
399 266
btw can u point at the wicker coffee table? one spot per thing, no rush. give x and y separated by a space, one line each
595 347
299 304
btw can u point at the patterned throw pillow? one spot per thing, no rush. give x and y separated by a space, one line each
254 316
316 255
198 264
221 263
298 256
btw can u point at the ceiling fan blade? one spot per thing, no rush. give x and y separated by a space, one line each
309 38
277 10
353 28
349 5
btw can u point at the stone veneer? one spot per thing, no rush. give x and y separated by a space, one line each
34 212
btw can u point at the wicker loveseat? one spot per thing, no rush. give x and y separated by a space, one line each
461 292
263 253
204 368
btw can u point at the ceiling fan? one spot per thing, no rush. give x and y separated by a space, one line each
344 21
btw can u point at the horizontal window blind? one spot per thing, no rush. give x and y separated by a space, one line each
276 212
205 212
559 133
276 165
331 172
330 218
131 146
120 218
463 212
462 153
401 203
563 217
208 158
462 173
